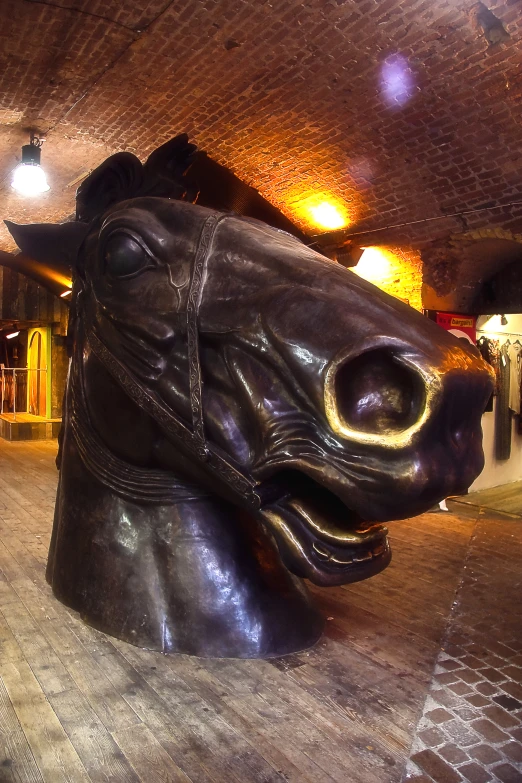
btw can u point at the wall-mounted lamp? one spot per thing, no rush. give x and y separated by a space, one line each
346 255
28 177
13 334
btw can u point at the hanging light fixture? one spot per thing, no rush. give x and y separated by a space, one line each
28 177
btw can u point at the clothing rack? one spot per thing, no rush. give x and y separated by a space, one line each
498 334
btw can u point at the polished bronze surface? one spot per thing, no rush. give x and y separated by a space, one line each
241 413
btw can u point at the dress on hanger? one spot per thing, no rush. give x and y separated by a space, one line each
515 376
490 352
503 415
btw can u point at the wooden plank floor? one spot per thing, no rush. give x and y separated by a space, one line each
506 498
77 706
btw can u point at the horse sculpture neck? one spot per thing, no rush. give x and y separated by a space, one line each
145 556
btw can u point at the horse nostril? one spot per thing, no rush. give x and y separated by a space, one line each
375 393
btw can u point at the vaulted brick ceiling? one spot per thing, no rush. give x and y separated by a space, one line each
399 110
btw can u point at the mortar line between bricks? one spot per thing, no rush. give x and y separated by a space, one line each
81 12
138 36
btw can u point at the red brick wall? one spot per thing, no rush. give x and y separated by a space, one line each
286 94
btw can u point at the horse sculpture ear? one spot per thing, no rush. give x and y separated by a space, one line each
165 168
118 178
53 245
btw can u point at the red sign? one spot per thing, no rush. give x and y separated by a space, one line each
464 326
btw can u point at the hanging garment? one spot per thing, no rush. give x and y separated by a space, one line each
515 371
490 352
503 415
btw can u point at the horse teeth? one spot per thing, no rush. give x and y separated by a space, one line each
342 562
362 557
321 553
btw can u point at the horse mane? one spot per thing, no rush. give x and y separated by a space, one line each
123 176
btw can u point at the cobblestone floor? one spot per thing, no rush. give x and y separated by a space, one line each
471 727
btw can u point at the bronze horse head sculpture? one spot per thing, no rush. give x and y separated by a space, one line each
241 414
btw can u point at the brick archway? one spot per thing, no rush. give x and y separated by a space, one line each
454 272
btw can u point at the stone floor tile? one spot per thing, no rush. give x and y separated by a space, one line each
432 737
513 689
493 675
475 773
461 734
439 715
489 731
486 688
516 734
507 773
508 702
465 713
446 678
500 717
453 754
513 673
478 701
494 661
472 662
485 754
455 651
513 750
436 767
449 664
470 676
446 697
461 688
499 648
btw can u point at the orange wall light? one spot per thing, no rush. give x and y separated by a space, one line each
398 271
321 211
375 265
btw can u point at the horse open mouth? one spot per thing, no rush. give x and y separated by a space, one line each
319 537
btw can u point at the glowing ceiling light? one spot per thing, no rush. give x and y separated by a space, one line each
66 293
13 334
320 210
29 178
328 216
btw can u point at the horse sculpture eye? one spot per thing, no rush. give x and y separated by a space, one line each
124 256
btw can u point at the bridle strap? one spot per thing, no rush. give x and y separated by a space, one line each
194 442
132 482
242 485
197 281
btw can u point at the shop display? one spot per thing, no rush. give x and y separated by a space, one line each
241 414
505 358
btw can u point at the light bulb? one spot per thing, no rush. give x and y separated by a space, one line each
326 215
29 179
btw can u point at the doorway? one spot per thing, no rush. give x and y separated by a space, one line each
37 372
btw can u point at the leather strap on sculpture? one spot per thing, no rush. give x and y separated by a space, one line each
242 485
140 485
197 280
